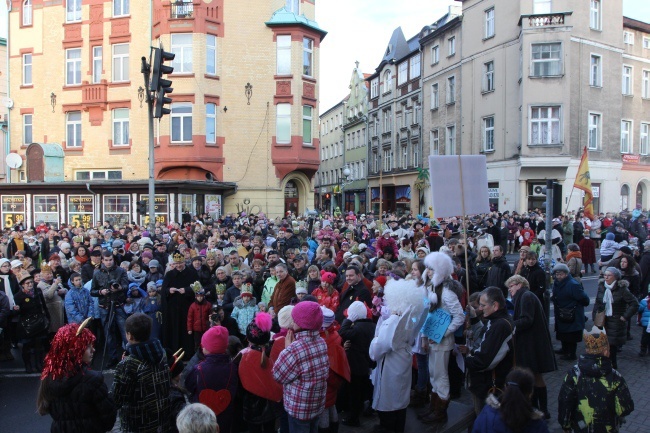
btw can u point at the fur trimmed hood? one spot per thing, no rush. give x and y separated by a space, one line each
401 294
441 264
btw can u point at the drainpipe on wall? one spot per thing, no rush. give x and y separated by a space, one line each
7 143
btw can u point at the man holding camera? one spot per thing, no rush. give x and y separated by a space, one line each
110 284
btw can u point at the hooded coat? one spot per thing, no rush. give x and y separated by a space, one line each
594 397
490 421
568 293
81 404
624 305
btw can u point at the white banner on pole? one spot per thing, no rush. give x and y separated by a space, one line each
448 191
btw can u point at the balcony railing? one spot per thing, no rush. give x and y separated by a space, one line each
545 20
181 9
94 94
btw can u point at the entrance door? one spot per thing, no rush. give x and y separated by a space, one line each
291 198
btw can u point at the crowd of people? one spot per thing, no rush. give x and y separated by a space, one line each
309 322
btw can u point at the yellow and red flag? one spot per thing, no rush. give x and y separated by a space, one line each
583 182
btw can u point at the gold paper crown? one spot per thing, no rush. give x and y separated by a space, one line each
178 257
596 341
220 289
45 268
301 284
211 255
228 250
196 287
246 289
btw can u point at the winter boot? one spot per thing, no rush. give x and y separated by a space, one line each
542 400
418 398
27 360
432 406
439 415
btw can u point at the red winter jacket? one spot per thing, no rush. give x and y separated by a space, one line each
198 316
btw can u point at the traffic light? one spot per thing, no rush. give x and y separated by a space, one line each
141 207
159 84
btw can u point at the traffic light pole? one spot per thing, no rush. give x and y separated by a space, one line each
152 186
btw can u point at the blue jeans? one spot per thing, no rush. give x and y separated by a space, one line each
302 426
118 321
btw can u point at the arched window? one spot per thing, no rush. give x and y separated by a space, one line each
640 194
388 81
27 12
625 196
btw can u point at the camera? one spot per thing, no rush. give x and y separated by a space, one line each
120 251
114 285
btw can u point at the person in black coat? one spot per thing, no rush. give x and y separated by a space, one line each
532 342
176 297
568 295
357 332
356 291
75 396
89 268
536 277
500 270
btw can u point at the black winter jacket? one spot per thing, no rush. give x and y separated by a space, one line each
80 404
360 334
102 279
498 274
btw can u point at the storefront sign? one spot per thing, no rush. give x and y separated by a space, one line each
161 208
13 209
632 159
81 210
493 193
213 205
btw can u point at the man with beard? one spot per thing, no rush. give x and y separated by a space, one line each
176 297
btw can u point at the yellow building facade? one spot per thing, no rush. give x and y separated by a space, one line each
244 107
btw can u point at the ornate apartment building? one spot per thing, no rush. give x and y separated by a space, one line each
242 133
536 81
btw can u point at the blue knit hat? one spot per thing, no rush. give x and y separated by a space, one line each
609 236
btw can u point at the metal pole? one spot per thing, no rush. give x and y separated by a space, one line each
548 241
152 187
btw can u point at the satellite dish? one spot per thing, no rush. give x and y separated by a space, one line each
14 160
9 103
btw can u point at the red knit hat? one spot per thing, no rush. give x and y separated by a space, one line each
215 340
328 277
381 280
307 315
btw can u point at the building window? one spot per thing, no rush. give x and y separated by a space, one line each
73 129
388 81
97 64
405 157
387 121
417 108
73 67
595 72
415 66
435 54
645 84
594 15
182 47
435 98
181 123
594 131
27 69
644 143
628 38
120 62
451 90
211 54
488 134
307 57
28 137
388 160
627 80
434 143
211 123
27 12
283 54
117 209
545 125
374 88
72 11
375 163
120 8
542 6
283 123
402 73
306 125
547 60
626 136
46 209
646 42
489 23
293 6
451 45
451 140
121 127
488 77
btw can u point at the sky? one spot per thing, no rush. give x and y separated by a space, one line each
360 30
